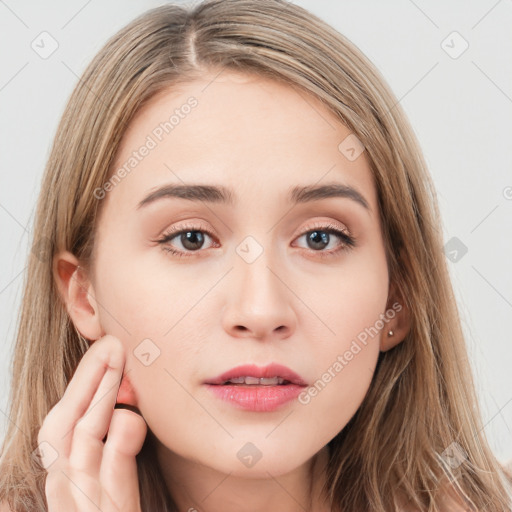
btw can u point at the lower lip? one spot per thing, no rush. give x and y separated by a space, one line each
256 398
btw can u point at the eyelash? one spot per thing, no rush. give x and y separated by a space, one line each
348 241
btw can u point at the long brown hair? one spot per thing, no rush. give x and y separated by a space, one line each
421 409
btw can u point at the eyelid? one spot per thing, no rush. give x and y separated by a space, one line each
186 226
324 225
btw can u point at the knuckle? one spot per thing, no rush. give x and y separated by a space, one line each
86 429
81 429
109 351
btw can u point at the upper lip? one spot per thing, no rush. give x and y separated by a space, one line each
251 370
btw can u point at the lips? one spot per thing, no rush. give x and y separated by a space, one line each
266 372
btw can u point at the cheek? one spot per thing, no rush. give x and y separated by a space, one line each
352 307
347 301
340 385
148 301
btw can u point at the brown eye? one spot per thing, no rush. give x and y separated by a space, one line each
191 239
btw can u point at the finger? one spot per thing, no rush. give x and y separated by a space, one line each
118 473
59 495
56 431
91 428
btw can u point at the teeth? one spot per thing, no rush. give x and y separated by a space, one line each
270 381
237 380
252 380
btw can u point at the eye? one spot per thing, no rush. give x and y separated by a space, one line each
319 237
191 238
323 236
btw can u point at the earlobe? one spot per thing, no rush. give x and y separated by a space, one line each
126 393
399 323
77 294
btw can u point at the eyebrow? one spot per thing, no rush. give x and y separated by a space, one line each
223 195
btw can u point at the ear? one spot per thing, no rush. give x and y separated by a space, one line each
399 320
77 293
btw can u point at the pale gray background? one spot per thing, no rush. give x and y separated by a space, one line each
461 110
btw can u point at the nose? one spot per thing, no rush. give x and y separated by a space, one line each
258 303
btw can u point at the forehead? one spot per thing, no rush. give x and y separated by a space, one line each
256 135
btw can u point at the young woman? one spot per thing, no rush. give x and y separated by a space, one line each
237 297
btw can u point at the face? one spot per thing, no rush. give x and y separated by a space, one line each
260 272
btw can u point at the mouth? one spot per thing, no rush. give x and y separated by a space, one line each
257 389
253 376
254 381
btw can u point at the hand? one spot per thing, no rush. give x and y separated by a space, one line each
87 473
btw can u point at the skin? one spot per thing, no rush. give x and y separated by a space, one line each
212 310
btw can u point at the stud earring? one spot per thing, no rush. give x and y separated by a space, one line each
390 333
